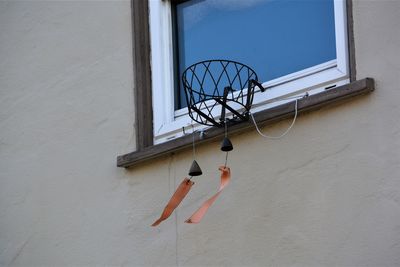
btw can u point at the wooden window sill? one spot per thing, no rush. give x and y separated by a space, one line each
264 117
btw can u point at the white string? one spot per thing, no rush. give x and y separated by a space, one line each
226 135
193 145
283 134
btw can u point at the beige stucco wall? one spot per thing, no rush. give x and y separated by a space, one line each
326 195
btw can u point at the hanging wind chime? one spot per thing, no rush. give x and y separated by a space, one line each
218 93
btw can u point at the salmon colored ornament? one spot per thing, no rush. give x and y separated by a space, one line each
180 193
199 214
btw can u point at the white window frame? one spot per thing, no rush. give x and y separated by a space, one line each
168 123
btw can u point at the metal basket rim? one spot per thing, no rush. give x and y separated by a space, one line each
184 80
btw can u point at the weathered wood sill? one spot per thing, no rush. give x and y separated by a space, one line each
271 115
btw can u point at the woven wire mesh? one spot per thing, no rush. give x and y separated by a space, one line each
212 86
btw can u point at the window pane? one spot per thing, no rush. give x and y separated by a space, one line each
274 37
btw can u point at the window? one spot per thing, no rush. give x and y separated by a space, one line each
294 46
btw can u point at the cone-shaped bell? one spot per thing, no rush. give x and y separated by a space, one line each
195 169
226 144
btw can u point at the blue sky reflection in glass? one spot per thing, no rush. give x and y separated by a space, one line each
274 37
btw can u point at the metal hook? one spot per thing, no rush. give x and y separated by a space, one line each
259 85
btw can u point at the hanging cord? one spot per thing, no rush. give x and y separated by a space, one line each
226 159
193 146
226 135
288 129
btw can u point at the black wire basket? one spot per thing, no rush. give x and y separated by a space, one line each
218 91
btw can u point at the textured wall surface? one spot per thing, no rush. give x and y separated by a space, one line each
328 194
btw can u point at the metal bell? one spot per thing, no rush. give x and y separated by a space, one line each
195 169
226 145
